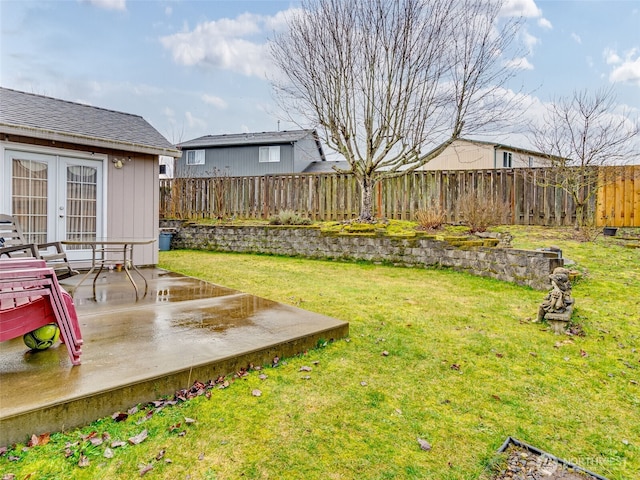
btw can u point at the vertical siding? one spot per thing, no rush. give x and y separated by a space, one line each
133 203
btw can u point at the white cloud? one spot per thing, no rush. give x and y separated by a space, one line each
576 38
544 23
627 72
108 4
611 56
194 122
519 64
214 101
521 8
238 45
529 40
168 11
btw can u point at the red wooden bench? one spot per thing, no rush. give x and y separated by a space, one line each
31 297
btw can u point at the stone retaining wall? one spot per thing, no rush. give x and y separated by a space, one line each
523 267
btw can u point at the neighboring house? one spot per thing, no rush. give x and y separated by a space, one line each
249 154
166 166
465 154
73 171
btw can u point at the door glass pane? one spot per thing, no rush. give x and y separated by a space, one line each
82 188
29 198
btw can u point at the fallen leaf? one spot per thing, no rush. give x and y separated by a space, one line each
224 384
146 469
9 476
583 353
117 444
316 362
84 461
496 397
96 441
424 445
276 360
3 451
533 354
160 455
146 417
499 355
108 453
67 452
455 366
305 369
38 440
133 410
120 416
262 376
139 438
385 354
89 436
201 456
306 377
188 420
256 393
363 383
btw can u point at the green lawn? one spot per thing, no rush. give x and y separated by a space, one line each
443 356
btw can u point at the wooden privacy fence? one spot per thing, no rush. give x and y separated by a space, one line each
335 196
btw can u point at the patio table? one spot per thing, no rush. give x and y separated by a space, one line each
106 252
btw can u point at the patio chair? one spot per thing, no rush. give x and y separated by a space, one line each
31 297
13 244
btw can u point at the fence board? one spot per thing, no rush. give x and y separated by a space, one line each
336 196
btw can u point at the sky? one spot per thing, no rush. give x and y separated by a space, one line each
196 67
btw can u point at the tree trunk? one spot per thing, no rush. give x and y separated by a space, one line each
366 199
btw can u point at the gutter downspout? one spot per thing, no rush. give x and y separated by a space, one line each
495 155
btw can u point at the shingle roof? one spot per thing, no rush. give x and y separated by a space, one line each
262 138
326 166
54 119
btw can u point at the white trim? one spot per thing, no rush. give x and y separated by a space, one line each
58 153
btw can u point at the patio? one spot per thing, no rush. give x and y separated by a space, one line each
183 330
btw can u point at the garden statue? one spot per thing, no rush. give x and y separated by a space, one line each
558 304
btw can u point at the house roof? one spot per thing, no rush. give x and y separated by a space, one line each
235 139
48 118
503 146
326 166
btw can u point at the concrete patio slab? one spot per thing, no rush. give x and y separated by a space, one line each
183 330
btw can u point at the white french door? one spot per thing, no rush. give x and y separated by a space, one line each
56 197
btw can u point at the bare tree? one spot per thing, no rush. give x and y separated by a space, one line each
391 83
578 135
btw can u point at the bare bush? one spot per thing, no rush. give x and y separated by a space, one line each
288 217
431 218
481 212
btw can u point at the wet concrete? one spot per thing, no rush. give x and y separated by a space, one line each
183 330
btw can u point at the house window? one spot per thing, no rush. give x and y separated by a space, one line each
269 154
530 162
195 157
506 159
163 169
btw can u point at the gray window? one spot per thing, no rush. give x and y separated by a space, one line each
506 159
269 154
195 157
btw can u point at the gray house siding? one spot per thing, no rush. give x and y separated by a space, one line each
238 155
236 162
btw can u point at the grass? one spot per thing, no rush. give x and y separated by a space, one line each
466 368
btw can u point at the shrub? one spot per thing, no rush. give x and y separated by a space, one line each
480 212
288 217
430 218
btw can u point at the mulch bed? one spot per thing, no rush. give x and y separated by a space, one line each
525 462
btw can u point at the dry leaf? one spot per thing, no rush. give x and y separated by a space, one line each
188 420
117 444
139 438
583 353
96 441
108 453
120 416
455 366
305 369
363 383
385 354
84 461
160 455
146 469
262 376
306 377
424 445
256 393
